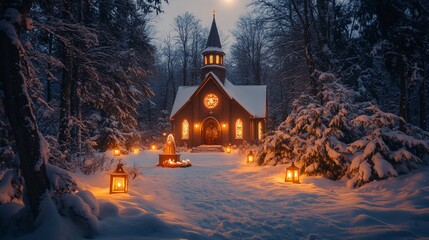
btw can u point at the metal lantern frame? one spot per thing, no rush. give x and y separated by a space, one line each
292 174
250 157
119 180
116 152
228 148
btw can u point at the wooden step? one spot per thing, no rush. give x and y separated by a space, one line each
207 148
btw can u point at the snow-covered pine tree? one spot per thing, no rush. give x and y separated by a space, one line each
336 134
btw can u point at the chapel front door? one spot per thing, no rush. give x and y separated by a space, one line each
211 132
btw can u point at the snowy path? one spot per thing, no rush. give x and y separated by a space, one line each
221 197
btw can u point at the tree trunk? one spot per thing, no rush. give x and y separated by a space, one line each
422 104
403 95
49 77
19 110
64 135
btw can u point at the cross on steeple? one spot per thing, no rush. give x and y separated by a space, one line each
214 12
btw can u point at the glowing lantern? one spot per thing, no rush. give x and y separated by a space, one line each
116 152
292 174
228 148
135 149
153 147
164 134
250 157
119 180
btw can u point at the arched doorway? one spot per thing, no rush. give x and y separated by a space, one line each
210 132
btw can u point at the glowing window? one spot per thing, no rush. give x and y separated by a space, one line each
211 101
217 59
205 60
259 130
211 59
221 61
185 129
239 129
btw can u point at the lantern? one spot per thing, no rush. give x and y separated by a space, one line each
116 152
135 149
153 147
292 174
250 157
119 180
164 134
228 148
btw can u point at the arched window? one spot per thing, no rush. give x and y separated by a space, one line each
221 60
205 60
239 129
217 59
185 129
211 59
260 130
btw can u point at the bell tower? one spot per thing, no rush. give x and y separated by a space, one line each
213 54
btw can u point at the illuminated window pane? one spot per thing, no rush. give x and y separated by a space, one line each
211 59
221 61
185 129
259 130
205 60
217 59
239 129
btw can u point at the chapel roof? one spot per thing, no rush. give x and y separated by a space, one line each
251 97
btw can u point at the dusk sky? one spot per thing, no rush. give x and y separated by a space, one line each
227 14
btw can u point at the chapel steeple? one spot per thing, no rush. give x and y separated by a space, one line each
213 54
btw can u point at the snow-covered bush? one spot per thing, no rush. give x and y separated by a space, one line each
334 134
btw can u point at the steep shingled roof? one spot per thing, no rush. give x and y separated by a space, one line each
213 40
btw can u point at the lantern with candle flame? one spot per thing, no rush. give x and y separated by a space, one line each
228 148
292 174
250 157
119 180
116 152
135 149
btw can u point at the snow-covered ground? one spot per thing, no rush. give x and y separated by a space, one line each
222 197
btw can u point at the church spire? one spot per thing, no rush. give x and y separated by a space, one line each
214 40
213 54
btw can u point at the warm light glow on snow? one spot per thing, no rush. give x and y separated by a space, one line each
136 150
153 147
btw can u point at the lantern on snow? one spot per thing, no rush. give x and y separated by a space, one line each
228 148
116 152
135 149
119 180
292 174
153 147
250 157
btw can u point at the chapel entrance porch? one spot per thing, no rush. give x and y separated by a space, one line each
210 134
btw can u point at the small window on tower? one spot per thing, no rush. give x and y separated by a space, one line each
217 59
211 59
221 60
205 60
260 130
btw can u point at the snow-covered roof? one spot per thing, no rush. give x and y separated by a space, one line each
183 95
251 97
